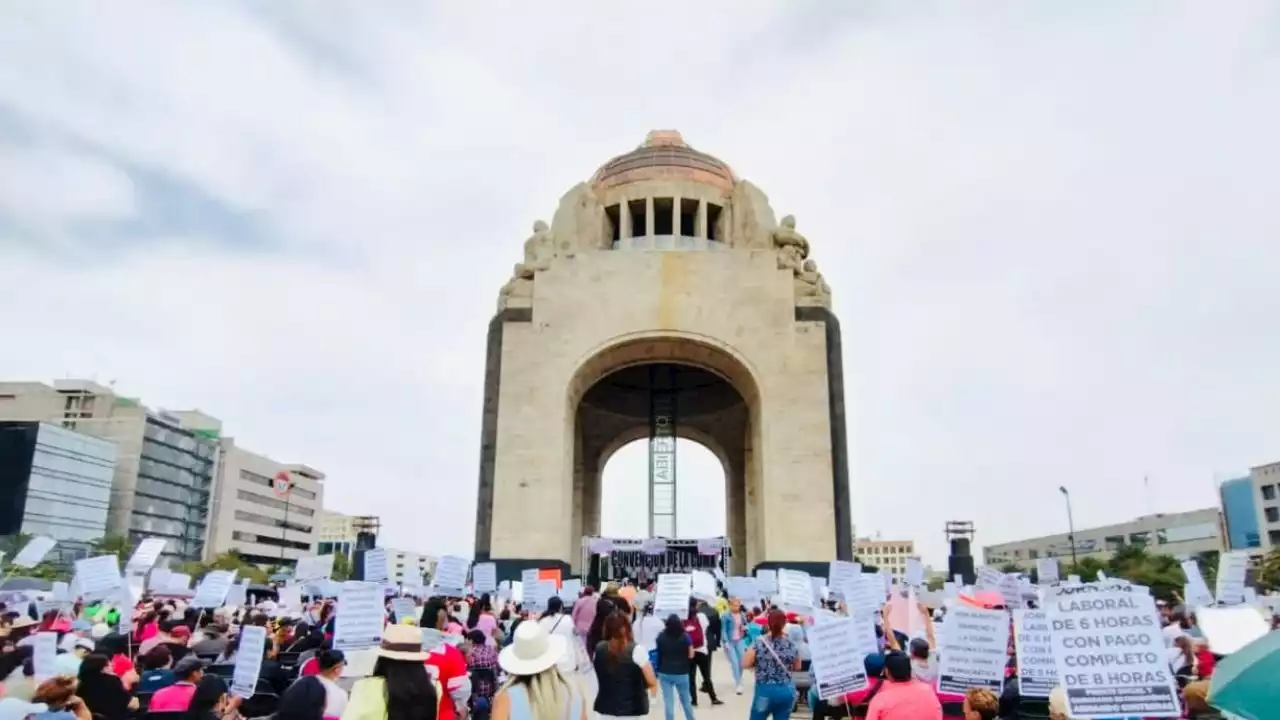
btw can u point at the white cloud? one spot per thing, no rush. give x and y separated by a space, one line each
1049 227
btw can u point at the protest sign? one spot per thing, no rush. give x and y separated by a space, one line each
840 572
484 577
974 650
767 582
745 589
248 667
570 588
1047 570
672 595
838 663
1232 567
1109 653
1037 675
358 622
796 591
376 567
213 588
450 577
314 567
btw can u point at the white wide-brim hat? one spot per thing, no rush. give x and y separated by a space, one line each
533 650
401 642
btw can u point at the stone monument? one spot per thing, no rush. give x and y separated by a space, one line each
664 275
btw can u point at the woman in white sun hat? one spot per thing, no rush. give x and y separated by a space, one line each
400 688
537 690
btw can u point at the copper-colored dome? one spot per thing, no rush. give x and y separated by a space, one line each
664 156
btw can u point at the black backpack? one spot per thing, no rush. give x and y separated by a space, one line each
713 627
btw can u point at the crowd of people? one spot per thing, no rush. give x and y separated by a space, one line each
604 653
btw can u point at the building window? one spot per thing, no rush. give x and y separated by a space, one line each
1033 554
1139 538
1272 513
265 481
1114 542
268 540
1268 492
1187 533
271 522
273 503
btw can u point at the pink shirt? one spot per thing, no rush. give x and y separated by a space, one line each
910 700
175 698
584 613
486 624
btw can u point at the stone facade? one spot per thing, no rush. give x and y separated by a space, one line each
747 304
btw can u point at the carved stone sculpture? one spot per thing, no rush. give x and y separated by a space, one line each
539 250
785 236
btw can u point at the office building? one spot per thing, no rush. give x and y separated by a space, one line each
1266 494
1240 513
267 511
163 472
55 482
888 555
409 567
337 534
1182 535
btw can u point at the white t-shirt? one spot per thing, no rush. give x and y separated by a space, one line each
646 631
335 697
562 625
705 623
1172 632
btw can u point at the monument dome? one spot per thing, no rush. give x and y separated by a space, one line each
664 155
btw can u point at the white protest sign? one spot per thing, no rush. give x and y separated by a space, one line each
290 597
838 663
237 595
949 590
144 558
404 609
99 576
159 579
1037 675
376 568
974 650
796 591
244 677
178 581
672 595
450 577
484 577
704 585
313 567
44 654
1047 570
538 594
989 578
863 594
819 586
1109 653
1232 567
914 576
61 592
358 622
528 577
1196 591
745 589
1229 629
213 588
767 582
840 572
33 552
570 588
1011 589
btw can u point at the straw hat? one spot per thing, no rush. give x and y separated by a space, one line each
402 642
533 651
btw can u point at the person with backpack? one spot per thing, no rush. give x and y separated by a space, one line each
696 624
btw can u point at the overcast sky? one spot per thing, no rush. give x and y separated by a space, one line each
1051 228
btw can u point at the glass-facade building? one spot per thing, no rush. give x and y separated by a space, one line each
55 482
1240 514
175 478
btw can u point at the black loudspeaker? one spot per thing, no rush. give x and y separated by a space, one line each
366 541
357 562
960 562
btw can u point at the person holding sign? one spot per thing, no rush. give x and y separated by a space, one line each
774 657
902 697
400 687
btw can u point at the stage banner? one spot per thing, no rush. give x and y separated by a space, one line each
710 546
600 546
653 546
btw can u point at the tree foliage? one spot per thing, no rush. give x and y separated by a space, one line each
1269 571
229 560
113 545
341 567
11 545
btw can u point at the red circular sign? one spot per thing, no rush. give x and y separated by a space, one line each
283 483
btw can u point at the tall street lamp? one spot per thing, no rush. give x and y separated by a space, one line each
1071 524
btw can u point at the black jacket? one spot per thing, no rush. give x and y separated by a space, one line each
713 627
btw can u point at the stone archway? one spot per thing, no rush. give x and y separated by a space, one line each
717 399
665 256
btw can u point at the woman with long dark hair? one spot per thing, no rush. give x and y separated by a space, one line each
102 691
622 671
675 661
604 608
304 700
400 687
481 618
211 701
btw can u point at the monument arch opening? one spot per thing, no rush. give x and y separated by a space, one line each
700 491
664 300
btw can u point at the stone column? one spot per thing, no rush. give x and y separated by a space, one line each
648 217
675 218
700 223
624 219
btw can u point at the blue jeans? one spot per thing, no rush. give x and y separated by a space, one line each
673 685
774 699
734 651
